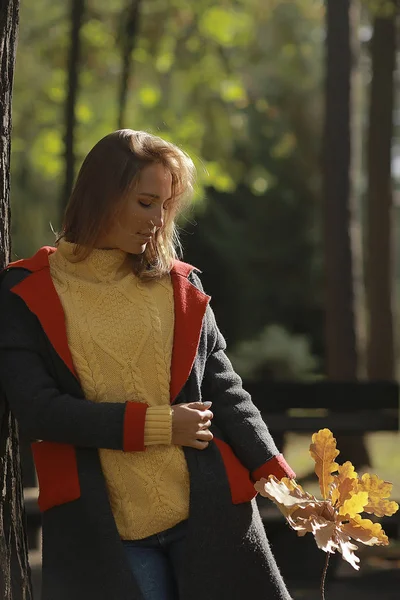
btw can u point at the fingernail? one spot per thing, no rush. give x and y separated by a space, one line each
207 404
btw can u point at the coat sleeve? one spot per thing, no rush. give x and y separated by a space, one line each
45 413
235 414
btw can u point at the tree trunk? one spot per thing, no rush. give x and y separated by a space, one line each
341 342
77 12
129 29
379 242
357 121
340 329
15 581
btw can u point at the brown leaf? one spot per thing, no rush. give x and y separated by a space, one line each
323 531
336 519
343 483
323 451
286 493
342 491
301 525
378 490
365 531
329 537
346 548
300 518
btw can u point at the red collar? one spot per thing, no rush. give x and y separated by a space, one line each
39 294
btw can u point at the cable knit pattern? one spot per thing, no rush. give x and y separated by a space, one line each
120 332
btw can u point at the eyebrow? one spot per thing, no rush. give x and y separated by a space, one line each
154 196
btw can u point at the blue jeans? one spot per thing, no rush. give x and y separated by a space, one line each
156 562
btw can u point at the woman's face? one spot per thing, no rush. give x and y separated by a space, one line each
142 214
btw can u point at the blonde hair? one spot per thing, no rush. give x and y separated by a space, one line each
108 174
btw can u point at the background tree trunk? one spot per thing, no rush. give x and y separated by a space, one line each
357 122
379 239
77 12
129 31
15 581
341 342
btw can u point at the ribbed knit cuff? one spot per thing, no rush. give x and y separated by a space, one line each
158 425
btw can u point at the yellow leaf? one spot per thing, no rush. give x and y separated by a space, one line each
323 451
344 483
335 493
336 519
365 531
354 505
378 490
346 471
346 489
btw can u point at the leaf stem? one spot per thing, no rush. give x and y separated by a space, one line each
324 576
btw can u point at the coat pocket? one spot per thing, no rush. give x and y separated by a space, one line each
240 483
57 473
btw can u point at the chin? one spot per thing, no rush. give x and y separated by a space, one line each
137 249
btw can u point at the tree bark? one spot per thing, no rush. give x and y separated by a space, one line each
15 583
77 13
379 239
130 27
341 340
357 121
340 328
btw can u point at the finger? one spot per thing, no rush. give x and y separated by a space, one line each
205 425
199 445
204 435
199 405
207 415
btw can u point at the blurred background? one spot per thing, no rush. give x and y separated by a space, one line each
290 110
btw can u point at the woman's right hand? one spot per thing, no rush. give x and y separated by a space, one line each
190 425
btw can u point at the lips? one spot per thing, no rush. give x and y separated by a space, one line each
145 236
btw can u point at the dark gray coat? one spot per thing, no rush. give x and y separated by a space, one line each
227 555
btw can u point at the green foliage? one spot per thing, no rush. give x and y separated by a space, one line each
230 27
196 69
275 354
238 86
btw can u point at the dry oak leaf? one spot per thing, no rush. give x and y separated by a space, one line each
329 536
323 451
354 505
286 494
342 491
323 531
344 483
335 520
365 531
307 514
346 548
378 491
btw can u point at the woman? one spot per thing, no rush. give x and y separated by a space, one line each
110 358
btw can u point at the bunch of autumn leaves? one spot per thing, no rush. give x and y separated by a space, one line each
335 519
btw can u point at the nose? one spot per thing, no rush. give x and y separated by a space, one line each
157 220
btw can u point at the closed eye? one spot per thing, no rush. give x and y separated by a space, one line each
165 206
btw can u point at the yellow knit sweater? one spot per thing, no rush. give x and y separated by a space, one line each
120 333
